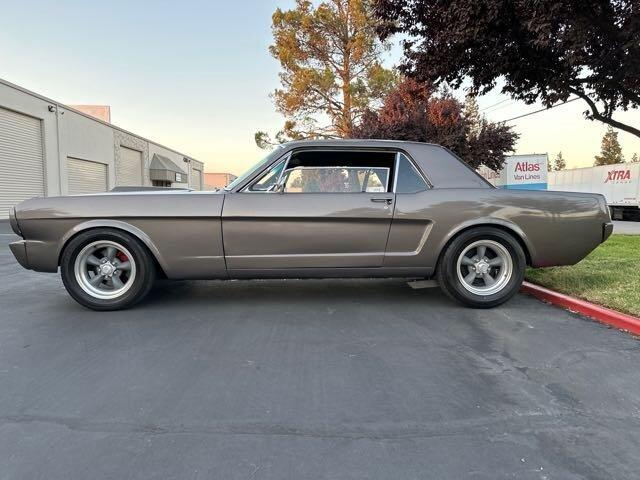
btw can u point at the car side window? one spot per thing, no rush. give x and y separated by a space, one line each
338 179
268 181
376 180
409 180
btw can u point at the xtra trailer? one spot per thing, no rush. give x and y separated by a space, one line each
619 183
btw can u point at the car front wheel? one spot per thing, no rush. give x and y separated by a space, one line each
482 267
105 269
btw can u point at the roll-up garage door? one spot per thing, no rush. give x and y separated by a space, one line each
196 179
86 177
129 168
21 159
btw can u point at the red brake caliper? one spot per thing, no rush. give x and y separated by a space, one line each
122 257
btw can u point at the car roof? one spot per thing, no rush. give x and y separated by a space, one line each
441 167
353 142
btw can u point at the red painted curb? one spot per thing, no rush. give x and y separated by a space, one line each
601 314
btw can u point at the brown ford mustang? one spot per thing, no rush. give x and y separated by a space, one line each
361 208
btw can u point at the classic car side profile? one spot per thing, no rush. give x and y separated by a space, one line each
314 209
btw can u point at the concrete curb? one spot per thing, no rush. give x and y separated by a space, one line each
601 314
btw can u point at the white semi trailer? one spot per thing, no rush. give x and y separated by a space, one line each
619 183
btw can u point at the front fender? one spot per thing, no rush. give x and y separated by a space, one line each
182 231
117 224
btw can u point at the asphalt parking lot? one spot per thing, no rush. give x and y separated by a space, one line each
308 380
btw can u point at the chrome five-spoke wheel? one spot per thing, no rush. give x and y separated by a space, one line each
484 267
105 269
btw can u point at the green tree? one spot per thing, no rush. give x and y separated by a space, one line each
559 162
610 151
471 113
549 165
331 71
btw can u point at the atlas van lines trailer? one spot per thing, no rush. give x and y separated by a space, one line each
520 172
619 183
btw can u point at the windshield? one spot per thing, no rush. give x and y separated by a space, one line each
254 169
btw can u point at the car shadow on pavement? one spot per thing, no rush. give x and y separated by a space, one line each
289 292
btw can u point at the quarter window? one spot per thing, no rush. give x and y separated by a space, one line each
409 180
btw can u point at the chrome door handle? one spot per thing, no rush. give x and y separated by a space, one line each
382 200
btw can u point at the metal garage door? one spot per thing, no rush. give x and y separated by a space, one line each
196 179
21 159
86 177
129 168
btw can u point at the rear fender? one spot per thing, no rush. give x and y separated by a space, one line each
491 221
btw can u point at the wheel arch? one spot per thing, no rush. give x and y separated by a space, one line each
115 225
508 227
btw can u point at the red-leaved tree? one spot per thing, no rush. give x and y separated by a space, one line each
412 111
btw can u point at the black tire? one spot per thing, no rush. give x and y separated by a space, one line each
145 271
451 284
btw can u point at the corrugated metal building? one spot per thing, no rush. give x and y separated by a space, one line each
47 148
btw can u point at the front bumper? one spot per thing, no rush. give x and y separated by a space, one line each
19 250
607 230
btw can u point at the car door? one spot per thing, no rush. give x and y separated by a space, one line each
413 217
320 209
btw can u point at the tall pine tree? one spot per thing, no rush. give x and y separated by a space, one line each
610 151
331 74
559 162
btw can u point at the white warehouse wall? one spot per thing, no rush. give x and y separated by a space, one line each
85 139
70 133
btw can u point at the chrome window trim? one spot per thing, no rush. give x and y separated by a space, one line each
284 169
287 156
395 174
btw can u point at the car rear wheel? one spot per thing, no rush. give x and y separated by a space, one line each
106 269
482 267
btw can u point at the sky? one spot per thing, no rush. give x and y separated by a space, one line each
196 76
